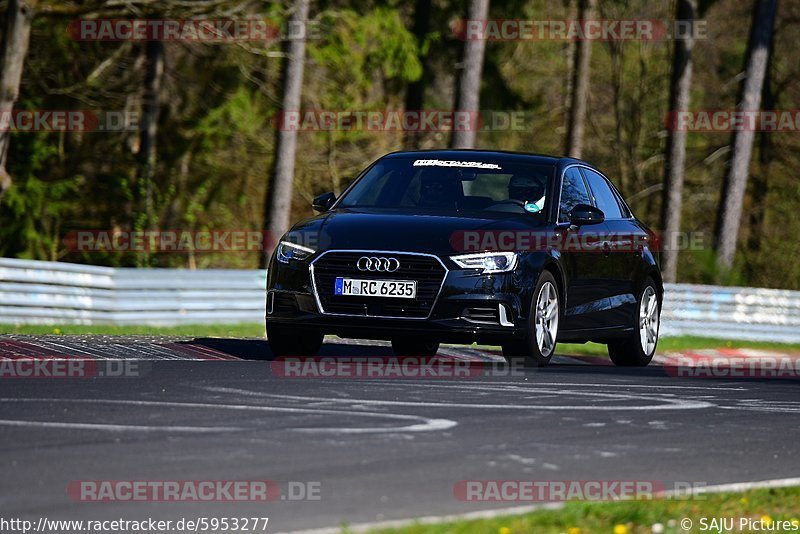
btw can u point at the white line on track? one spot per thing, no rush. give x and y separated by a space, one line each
468 384
736 487
421 424
666 403
116 428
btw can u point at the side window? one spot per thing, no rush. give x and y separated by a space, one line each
603 195
626 211
573 192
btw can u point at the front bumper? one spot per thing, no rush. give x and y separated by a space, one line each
469 308
453 330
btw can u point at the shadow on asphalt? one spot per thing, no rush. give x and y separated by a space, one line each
258 349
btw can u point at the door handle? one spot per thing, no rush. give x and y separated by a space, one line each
606 248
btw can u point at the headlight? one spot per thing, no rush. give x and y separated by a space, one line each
288 251
489 262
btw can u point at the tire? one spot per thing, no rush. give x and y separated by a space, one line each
288 341
539 345
414 347
638 348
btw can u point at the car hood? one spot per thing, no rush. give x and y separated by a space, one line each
365 229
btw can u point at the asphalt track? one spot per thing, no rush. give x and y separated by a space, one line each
379 448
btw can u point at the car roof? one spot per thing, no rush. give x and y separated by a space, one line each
504 155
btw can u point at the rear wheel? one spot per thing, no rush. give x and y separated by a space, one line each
289 341
638 348
539 344
414 347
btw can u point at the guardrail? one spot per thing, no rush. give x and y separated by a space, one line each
743 313
37 292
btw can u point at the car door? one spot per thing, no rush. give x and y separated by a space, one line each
619 251
582 258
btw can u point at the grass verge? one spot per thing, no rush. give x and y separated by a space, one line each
190 330
638 517
681 343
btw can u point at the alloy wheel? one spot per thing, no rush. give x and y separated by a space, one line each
648 320
546 318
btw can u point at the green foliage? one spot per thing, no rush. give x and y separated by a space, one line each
218 104
360 50
630 516
33 211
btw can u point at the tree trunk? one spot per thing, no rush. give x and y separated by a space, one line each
143 216
570 59
278 201
675 161
580 85
765 155
147 153
16 38
469 90
415 93
730 212
616 51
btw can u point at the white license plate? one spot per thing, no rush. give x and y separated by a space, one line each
403 289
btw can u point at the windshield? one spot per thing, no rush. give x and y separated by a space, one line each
447 185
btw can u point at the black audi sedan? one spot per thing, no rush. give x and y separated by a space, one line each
463 246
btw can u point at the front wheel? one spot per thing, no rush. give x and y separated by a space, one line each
539 344
288 341
638 348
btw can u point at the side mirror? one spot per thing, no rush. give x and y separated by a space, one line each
323 202
583 214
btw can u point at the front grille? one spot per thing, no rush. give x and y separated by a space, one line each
426 270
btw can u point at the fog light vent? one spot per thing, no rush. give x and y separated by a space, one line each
480 315
505 313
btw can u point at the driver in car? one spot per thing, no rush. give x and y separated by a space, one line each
527 190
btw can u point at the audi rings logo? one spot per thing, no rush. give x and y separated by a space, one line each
378 265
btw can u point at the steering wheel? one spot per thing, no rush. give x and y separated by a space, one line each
509 202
